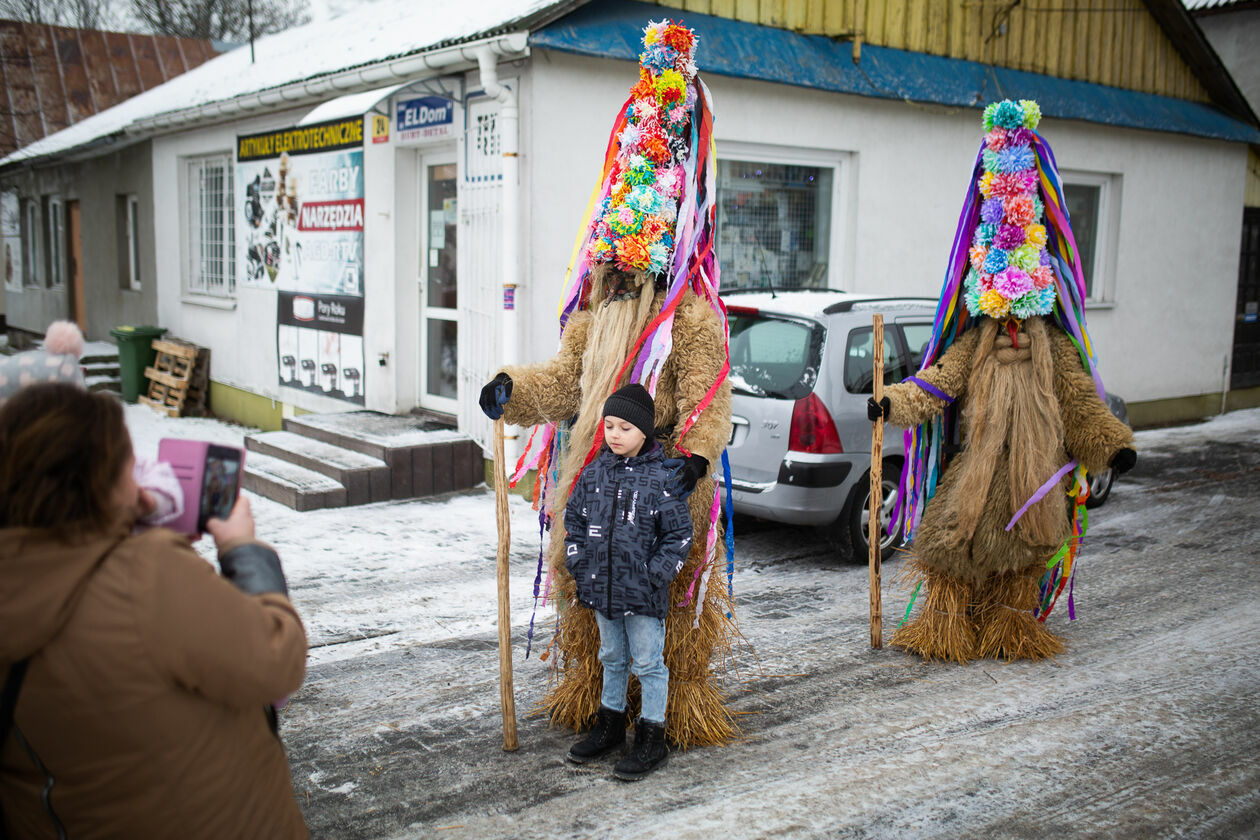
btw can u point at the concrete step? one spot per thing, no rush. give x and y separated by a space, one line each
365 478
422 460
103 383
101 368
291 485
99 351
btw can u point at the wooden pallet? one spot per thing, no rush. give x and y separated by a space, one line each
178 379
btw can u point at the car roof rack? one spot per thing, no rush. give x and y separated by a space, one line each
847 305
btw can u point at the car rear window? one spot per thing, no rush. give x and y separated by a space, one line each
774 356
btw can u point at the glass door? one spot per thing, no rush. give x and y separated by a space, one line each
439 305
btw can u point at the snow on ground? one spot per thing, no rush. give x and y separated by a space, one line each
1147 726
375 576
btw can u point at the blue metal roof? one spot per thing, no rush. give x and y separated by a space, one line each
733 48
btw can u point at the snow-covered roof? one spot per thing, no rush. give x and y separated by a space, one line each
1199 5
369 34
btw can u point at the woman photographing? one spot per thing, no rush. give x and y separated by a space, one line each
138 680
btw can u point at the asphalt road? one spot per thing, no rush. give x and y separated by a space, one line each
1147 727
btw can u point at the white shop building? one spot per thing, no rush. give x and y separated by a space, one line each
436 169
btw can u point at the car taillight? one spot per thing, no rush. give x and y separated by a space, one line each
813 430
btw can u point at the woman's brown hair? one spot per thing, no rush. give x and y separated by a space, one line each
62 452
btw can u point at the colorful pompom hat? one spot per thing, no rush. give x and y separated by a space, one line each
633 225
1014 257
1010 270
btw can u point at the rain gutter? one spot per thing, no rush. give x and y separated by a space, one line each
513 45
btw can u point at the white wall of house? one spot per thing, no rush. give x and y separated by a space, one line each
1168 238
241 329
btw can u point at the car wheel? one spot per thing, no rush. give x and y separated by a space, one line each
1100 488
859 515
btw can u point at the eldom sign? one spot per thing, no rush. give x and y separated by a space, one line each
424 119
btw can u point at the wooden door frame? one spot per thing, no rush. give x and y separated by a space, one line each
74 264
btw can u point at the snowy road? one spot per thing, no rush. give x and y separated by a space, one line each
1147 726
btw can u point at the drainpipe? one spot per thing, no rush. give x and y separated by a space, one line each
510 238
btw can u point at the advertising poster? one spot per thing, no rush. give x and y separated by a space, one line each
300 232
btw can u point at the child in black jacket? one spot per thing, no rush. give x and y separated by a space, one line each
628 534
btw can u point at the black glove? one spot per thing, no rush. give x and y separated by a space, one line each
1124 460
694 468
253 569
495 394
877 410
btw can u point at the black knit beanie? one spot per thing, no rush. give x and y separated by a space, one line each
633 404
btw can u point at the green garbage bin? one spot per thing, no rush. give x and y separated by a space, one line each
135 353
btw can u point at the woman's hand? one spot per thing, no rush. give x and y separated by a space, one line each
236 530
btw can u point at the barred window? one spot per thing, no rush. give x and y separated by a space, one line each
211 227
774 224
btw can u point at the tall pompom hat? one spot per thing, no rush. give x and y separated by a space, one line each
633 226
1014 257
56 361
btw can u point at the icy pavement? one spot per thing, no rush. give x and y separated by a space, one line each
1147 726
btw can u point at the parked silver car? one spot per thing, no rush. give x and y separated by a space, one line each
800 446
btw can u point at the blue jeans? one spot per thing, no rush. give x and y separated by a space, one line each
640 638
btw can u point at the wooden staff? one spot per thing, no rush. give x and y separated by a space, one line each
873 534
506 698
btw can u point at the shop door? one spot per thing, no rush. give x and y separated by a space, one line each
74 265
1245 366
439 304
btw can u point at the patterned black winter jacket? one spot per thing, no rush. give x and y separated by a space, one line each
628 536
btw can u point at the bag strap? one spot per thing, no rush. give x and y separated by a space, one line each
8 700
8 704
13 685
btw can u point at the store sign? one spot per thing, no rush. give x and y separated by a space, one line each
380 128
425 120
300 233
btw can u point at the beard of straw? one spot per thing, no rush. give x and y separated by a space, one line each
1011 407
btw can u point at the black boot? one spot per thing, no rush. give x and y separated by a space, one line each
648 753
608 734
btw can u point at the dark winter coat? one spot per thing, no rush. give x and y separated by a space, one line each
145 694
627 535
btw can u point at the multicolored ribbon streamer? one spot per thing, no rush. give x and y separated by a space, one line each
1050 484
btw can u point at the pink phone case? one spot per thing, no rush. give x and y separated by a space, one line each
209 474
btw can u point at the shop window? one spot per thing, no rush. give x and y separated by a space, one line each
11 230
127 222
211 228
31 273
774 224
1089 199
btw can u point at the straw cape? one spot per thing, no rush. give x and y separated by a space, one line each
642 306
1010 366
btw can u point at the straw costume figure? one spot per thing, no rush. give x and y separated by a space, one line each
643 307
994 537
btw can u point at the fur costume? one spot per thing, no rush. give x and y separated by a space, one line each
1019 384
1035 402
643 309
576 381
